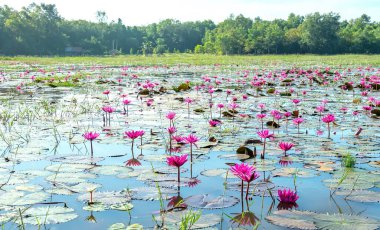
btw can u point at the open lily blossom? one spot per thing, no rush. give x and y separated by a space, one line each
286 146
287 196
214 123
170 115
329 118
177 161
133 134
246 173
90 136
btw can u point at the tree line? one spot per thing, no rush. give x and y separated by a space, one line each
40 30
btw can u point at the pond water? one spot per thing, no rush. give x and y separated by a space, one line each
49 178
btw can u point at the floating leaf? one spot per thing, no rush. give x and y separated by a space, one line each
70 178
213 172
47 215
151 193
111 170
117 226
205 221
345 222
122 207
290 172
207 202
292 219
95 207
68 167
106 198
77 159
360 195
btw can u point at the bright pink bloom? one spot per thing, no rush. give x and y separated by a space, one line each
261 115
133 134
188 100
191 139
367 108
278 116
178 139
265 134
245 172
106 92
320 108
328 118
220 106
287 114
170 115
287 196
171 130
296 101
233 106
285 146
108 109
176 161
213 123
126 102
90 136
298 120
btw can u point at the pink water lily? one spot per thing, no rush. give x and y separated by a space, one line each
171 131
213 123
192 140
126 103
108 110
170 115
328 119
287 196
90 136
264 134
188 101
246 173
177 161
133 134
286 146
297 121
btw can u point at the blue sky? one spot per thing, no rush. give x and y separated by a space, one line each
142 12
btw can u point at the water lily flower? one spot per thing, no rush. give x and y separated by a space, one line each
328 119
177 161
285 146
264 134
246 173
287 196
90 136
192 140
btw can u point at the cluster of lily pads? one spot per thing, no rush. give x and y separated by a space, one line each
180 147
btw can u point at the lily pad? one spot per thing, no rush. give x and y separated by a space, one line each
205 201
47 215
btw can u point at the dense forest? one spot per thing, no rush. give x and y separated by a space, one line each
40 30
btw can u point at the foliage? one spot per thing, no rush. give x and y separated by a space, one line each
40 30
